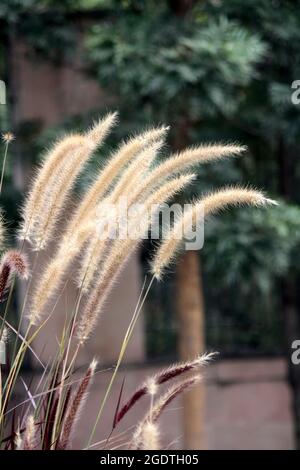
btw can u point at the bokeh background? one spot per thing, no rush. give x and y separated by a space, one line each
216 71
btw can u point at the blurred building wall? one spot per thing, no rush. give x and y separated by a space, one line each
248 406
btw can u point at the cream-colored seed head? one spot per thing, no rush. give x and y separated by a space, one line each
52 277
75 234
112 170
98 247
55 180
44 290
136 170
181 162
206 206
31 214
29 441
150 436
101 128
43 231
121 251
18 441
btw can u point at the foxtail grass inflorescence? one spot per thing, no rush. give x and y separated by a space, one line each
182 161
98 247
29 441
132 173
208 205
55 180
150 436
157 409
75 408
77 231
118 256
110 173
151 385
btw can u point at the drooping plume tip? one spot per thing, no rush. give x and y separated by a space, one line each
101 128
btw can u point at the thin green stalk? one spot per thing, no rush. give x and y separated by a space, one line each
3 165
70 369
120 358
63 377
13 374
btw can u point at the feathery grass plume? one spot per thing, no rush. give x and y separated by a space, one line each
136 170
12 262
61 182
47 286
158 407
208 205
101 128
150 436
44 228
76 232
121 251
75 407
29 440
181 161
53 159
98 247
151 385
52 277
112 170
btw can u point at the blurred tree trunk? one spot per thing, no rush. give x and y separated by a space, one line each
191 336
191 342
190 307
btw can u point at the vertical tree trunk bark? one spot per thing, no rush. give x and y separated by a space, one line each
190 306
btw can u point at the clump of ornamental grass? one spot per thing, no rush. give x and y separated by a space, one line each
48 418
